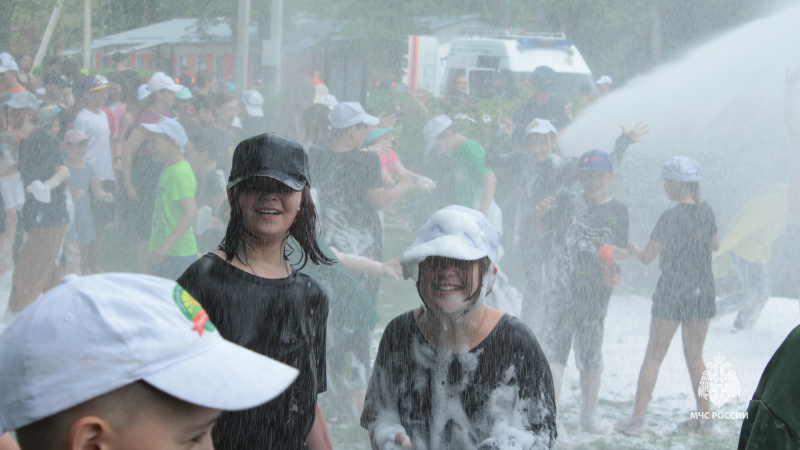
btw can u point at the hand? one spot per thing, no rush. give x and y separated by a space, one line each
77 194
636 132
392 269
545 206
157 255
380 146
106 197
633 248
40 191
387 121
400 441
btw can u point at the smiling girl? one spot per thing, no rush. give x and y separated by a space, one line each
256 297
456 373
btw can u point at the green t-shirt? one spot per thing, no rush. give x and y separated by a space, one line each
175 183
468 172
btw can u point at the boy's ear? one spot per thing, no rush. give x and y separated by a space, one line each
90 433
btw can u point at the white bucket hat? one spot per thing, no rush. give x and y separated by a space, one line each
680 168
94 334
452 232
434 128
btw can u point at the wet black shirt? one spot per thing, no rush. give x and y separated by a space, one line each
343 180
686 232
39 156
447 401
284 319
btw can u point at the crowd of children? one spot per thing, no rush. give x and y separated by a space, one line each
235 219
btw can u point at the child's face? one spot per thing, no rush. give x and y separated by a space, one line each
227 112
594 184
162 146
77 151
446 283
269 207
541 145
186 431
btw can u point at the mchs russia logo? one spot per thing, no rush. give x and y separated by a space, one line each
718 383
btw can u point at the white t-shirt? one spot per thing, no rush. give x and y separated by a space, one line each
98 131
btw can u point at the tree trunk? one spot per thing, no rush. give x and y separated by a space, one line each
656 36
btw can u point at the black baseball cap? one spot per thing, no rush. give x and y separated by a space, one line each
273 156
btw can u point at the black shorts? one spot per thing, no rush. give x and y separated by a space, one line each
103 212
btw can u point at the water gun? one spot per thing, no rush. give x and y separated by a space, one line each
607 267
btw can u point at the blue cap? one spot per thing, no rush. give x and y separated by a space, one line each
596 161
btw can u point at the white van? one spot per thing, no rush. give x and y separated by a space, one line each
494 62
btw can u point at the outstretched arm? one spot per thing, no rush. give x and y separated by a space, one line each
627 138
649 253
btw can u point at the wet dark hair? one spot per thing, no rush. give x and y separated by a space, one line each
303 229
222 98
484 264
315 123
203 78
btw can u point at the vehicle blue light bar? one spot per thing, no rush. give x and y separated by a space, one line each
538 42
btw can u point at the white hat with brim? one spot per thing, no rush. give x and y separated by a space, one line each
541 126
160 81
680 168
452 232
95 334
349 114
605 79
142 92
170 127
433 129
253 103
7 63
23 99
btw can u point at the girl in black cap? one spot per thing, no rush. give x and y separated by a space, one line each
258 299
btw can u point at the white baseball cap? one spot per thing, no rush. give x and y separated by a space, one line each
7 63
452 232
160 80
253 103
540 126
23 99
142 92
434 128
171 128
680 168
605 79
348 114
94 334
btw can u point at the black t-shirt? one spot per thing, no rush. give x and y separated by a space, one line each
343 180
284 319
686 232
39 156
446 400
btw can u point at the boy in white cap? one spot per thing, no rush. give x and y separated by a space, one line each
454 372
95 120
351 193
8 75
172 244
151 371
604 84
